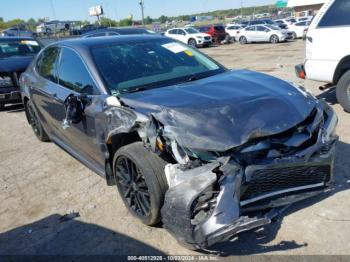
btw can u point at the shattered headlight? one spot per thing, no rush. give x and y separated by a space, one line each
5 82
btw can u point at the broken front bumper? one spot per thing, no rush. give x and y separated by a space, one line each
237 199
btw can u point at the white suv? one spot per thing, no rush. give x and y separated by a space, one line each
328 49
190 36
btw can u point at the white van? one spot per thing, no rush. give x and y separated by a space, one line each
328 49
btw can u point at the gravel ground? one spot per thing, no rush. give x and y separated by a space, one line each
39 183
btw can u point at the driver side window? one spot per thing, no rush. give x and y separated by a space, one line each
73 74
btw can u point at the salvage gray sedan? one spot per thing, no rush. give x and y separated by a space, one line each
186 141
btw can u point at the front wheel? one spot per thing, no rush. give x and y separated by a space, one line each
343 91
274 39
192 43
243 40
35 123
294 36
141 181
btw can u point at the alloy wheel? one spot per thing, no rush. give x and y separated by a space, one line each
133 187
192 43
33 120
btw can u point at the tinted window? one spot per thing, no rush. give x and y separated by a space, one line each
337 15
250 28
181 32
47 63
260 28
219 28
150 64
256 22
301 24
172 32
73 73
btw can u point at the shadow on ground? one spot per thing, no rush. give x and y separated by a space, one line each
15 108
257 242
51 236
329 95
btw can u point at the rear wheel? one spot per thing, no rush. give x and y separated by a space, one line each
2 106
274 39
243 40
141 181
343 91
35 123
192 42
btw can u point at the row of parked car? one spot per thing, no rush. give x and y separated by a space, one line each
261 30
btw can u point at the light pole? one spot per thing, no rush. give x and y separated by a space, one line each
143 15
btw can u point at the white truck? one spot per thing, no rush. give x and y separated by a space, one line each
328 49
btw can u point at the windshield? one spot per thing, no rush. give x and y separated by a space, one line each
138 65
9 48
269 22
191 31
273 27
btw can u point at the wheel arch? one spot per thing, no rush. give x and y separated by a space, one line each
113 144
342 67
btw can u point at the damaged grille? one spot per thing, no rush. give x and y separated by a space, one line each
275 179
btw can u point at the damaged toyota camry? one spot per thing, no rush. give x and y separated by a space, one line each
207 151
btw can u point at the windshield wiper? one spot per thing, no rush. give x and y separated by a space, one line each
134 90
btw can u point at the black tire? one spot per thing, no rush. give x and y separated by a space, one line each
192 42
2 106
294 36
243 40
343 91
35 123
274 39
143 189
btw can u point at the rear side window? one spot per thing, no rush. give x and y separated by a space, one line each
73 73
219 28
337 15
47 63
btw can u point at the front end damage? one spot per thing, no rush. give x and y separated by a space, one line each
244 188
235 159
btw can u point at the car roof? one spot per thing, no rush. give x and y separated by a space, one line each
8 38
116 30
86 43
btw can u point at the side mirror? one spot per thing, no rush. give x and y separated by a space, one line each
74 106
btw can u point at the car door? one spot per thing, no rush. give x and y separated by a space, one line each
173 34
250 33
262 33
75 79
182 36
44 87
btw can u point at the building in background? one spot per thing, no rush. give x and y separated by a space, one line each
306 7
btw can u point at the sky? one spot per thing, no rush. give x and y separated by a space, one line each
115 9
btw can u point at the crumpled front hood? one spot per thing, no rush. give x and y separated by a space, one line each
226 110
15 64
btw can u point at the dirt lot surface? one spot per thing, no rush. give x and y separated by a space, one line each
39 183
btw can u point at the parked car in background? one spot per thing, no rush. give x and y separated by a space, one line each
190 36
263 33
299 28
114 31
217 32
283 21
328 49
266 22
233 30
52 27
305 18
18 31
207 151
16 53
